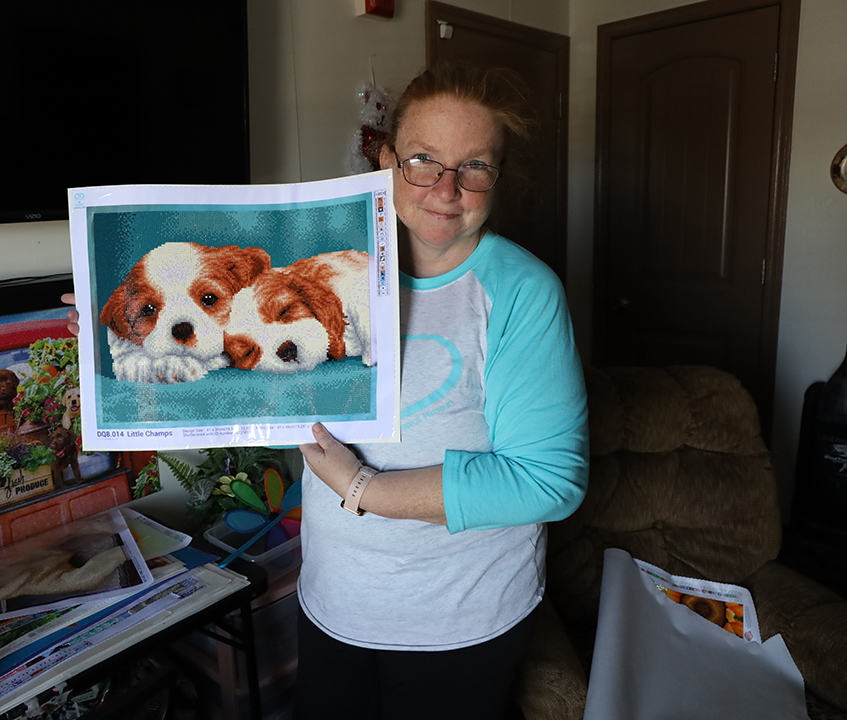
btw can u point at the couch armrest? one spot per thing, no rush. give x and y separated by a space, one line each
551 683
813 622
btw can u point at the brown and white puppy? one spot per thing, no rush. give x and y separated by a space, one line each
166 319
297 317
70 400
63 443
8 389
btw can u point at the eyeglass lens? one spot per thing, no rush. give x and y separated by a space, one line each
472 177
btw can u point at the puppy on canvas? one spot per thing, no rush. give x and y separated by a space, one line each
166 319
70 401
297 317
8 389
63 443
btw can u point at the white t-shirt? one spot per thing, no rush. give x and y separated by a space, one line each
492 389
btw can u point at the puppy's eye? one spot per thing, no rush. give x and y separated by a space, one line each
209 299
148 310
284 310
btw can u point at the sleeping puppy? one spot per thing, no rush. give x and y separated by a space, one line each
296 317
166 319
63 443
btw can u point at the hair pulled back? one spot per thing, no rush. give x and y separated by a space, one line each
501 91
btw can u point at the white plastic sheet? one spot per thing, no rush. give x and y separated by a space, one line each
655 659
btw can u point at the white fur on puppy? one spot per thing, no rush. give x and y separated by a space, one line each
295 318
166 319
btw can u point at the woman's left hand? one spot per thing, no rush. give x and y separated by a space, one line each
332 461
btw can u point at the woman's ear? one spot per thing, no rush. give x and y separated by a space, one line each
386 158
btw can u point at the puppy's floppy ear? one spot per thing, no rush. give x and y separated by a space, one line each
326 307
116 314
241 265
113 314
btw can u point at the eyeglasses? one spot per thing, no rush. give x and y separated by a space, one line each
473 176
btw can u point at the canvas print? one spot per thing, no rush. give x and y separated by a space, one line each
41 451
216 316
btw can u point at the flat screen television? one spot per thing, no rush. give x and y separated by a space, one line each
107 92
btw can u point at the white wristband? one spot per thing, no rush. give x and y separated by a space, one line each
357 487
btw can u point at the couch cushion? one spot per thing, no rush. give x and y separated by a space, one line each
679 478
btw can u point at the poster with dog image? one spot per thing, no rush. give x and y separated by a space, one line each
41 452
213 316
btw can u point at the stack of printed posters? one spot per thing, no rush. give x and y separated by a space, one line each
84 591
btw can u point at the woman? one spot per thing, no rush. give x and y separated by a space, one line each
402 616
421 607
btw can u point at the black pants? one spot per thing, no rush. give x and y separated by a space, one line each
336 681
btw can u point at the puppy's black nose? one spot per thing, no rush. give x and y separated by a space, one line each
182 331
287 352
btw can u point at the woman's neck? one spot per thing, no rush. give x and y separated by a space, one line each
426 261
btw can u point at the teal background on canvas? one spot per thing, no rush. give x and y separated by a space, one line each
120 236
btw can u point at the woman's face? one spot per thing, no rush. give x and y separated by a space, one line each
444 220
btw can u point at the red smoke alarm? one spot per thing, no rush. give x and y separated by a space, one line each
377 8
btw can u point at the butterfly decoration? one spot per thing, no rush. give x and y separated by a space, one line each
258 520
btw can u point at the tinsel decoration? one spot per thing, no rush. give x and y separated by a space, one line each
376 113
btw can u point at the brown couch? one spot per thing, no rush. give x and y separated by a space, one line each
680 478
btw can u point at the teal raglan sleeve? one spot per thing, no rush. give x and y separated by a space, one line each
536 409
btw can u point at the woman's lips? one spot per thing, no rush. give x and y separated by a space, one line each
442 216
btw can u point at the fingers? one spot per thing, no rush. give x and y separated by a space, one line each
73 325
73 315
332 461
323 437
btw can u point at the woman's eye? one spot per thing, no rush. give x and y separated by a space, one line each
421 156
148 310
209 299
475 165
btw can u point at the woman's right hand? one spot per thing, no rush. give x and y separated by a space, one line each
73 315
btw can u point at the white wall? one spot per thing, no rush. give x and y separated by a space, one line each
318 59
813 314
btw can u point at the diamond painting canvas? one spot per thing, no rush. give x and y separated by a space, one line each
240 315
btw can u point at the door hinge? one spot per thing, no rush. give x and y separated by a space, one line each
764 263
445 29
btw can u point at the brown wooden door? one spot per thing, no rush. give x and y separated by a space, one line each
686 195
536 218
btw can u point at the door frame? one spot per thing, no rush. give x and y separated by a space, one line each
550 41
789 27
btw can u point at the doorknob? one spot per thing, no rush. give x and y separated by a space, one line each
624 305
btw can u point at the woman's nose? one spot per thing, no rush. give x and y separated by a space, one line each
448 184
